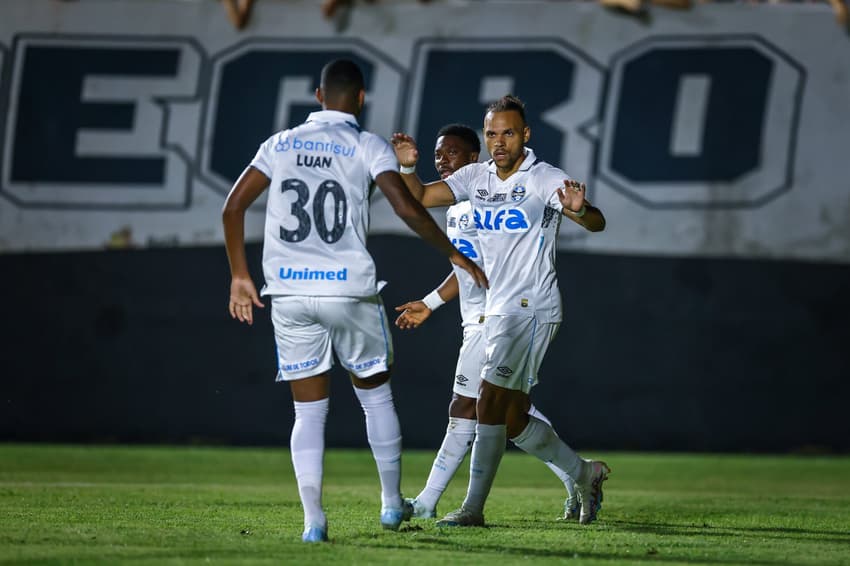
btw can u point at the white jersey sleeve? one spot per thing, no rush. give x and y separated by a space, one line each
549 180
263 160
384 157
461 180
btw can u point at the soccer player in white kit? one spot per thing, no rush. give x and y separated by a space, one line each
457 145
322 279
518 202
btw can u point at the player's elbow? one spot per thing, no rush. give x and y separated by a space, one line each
598 225
231 210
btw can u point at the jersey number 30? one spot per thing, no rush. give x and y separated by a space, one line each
340 210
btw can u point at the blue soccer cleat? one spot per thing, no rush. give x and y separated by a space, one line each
392 517
315 533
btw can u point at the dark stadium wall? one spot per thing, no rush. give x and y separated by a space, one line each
654 354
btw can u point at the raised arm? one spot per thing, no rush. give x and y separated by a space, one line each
577 208
417 218
243 294
415 313
433 194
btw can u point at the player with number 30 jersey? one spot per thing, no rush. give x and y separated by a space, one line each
322 279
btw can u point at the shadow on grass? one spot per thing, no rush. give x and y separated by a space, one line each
650 553
818 535
447 540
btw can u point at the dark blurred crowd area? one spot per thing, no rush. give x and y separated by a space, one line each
637 8
239 11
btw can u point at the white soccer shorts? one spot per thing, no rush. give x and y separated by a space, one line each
307 328
515 349
469 361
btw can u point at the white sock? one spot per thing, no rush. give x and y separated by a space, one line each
539 439
457 442
487 453
307 444
569 483
535 412
384 434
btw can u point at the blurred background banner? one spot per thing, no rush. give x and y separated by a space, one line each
711 314
719 131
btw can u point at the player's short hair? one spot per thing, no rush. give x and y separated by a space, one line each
341 77
464 132
509 102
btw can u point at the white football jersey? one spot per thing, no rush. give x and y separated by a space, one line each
517 222
322 174
460 228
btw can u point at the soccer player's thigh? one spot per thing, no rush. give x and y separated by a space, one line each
360 333
469 362
515 349
303 345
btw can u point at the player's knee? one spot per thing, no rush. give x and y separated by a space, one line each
375 397
492 404
516 421
310 389
462 407
370 382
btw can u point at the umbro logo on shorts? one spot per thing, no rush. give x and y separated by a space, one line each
504 371
461 379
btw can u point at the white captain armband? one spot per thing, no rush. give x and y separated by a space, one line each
433 300
405 170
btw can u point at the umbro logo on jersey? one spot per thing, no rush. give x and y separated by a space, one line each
461 379
329 147
482 193
504 371
504 220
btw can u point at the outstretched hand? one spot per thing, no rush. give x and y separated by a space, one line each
405 149
243 296
572 195
412 315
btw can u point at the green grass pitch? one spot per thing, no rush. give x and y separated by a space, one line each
191 505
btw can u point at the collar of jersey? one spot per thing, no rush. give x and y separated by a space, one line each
333 116
526 164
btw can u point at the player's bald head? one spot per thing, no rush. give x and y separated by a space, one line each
341 79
